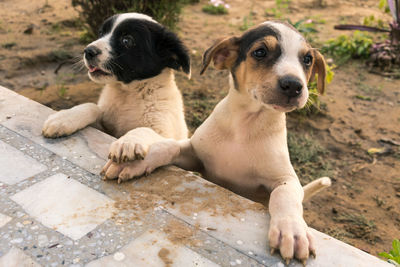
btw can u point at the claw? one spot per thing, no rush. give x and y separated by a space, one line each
287 260
312 253
304 262
272 252
119 181
104 178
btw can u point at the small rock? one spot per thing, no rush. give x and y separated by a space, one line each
29 29
16 241
239 242
119 256
43 241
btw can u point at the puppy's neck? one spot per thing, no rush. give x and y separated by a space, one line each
241 112
162 80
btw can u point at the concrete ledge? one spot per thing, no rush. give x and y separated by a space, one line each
66 215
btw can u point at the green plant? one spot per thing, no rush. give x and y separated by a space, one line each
314 105
356 225
306 155
247 22
9 45
281 7
94 12
216 7
371 21
386 54
344 47
394 255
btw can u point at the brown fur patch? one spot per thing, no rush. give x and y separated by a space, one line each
271 42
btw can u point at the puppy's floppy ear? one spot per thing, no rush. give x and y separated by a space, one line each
176 53
320 69
224 54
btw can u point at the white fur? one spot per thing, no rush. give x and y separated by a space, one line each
291 43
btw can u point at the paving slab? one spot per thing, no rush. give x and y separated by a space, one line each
56 211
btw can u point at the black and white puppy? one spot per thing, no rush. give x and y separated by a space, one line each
135 57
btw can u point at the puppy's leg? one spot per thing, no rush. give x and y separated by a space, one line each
288 231
133 145
66 122
315 187
179 153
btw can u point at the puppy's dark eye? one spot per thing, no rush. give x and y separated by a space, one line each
260 53
127 41
307 60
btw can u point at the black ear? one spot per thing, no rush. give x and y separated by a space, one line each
175 53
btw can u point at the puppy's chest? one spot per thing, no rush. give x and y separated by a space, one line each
123 112
232 161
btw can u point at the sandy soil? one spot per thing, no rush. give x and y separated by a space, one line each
362 206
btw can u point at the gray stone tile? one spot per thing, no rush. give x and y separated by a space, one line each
16 258
15 166
153 249
26 117
65 205
4 219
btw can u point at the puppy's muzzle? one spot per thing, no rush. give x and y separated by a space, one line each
290 86
91 52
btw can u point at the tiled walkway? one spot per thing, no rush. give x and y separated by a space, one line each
56 211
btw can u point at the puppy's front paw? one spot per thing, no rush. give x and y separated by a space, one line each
127 149
58 125
292 237
125 171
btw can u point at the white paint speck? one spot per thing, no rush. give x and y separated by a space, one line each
16 241
43 240
239 242
119 256
238 261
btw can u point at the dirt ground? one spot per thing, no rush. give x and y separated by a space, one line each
362 206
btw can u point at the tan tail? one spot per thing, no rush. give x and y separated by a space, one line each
315 186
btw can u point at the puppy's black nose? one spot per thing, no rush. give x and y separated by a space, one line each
290 86
91 52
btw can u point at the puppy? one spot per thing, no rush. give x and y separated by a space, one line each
242 145
134 57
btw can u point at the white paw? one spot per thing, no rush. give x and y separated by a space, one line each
58 124
125 171
292 237
127 149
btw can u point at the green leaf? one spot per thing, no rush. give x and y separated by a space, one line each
396 247
385 255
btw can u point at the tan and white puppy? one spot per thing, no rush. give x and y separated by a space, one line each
135 57
242 145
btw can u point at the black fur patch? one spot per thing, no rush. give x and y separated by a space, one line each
107 26
247 40
154 49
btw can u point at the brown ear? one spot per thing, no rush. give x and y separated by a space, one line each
320 69
224 53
